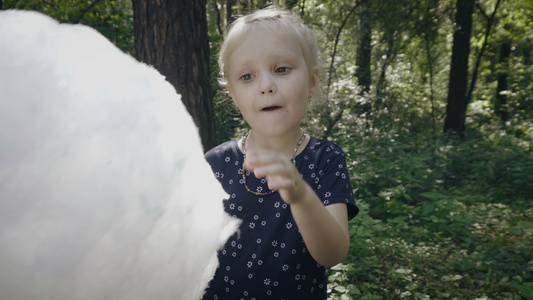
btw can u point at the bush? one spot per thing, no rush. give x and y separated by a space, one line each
440 219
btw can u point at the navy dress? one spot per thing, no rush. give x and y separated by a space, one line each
267 258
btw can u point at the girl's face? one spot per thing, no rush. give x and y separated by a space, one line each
269 81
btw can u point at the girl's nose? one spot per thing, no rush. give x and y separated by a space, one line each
267 85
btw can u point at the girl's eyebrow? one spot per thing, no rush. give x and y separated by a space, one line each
271 56
275 56
282 56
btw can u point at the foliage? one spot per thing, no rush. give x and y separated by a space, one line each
440 217
113 19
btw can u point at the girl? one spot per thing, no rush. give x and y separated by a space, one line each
291 190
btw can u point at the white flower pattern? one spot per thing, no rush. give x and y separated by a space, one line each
272 261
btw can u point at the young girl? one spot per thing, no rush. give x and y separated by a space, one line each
291 190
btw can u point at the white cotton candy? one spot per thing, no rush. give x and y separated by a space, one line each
104 191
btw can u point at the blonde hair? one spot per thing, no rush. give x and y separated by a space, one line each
275 20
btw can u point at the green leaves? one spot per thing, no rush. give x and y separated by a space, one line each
439 219
525 289
113 19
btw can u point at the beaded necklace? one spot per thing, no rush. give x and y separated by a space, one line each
293 160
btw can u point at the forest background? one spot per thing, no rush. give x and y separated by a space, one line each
432 101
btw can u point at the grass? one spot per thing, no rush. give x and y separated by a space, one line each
440 218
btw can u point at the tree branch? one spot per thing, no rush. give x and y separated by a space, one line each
490 23
215 3
337 38
481 10
334 120
291 4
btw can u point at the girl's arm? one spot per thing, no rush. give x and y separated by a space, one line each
323 228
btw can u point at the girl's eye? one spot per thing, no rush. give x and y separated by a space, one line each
282 70
246 77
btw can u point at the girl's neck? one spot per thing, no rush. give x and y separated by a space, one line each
283 144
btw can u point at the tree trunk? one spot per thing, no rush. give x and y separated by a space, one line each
364 56
291 3
490 24
172 36
501 97
230 16
363 60
382 80
217 10
527 56
458 81
302 9
431 84
328 119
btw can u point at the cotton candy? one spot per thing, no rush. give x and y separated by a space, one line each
104 191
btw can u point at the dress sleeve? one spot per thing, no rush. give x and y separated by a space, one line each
334 180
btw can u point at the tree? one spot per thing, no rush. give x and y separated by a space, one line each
172 36
458 81
397 50
364 51
503 74
331 121
394 21
113 19
230 17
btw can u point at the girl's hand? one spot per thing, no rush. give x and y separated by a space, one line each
323 228
279 172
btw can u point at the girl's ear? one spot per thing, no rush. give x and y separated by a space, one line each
313 82
230 93
229 90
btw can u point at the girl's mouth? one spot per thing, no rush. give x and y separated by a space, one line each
271 108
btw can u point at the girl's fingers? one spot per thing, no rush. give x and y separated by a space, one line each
259 159
274 169
262 157
280 183
271 170
279 172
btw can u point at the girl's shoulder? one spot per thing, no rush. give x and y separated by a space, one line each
319 147
229 148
